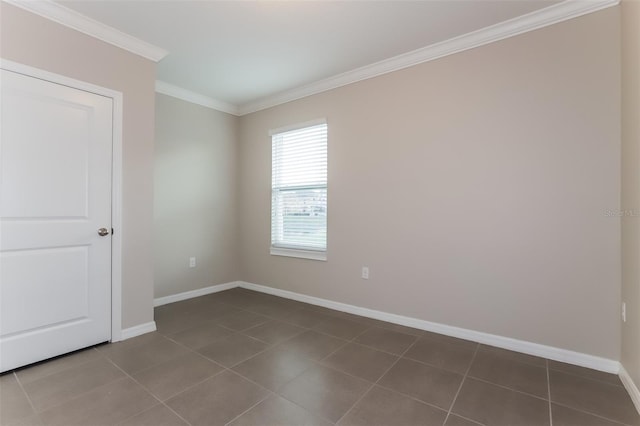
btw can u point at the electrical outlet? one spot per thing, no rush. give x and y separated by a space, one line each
624 312
365 272
192 262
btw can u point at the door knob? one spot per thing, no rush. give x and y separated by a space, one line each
103 232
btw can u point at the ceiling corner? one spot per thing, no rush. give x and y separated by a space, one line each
72 19
195 98
550 15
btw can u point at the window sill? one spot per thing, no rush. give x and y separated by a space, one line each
302 254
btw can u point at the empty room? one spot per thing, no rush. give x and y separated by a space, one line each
320 212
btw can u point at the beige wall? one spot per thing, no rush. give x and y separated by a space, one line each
631 186
474 187
195 197
41 43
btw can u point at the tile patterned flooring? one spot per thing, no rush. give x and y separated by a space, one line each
244 358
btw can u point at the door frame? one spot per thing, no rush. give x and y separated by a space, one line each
116 177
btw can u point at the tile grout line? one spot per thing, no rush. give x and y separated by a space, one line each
617 422
411 396
272 393
189 350
549 393
150 393
275 343
268 395
388 388
149 409
305 329
336 337
450 371
330 367
336 314
243 329
367 328
508 388
235 332
434 366
36 412
475 422
464 377
88 349
271 318
512 390
346 342
320 361
585 377
353 340
82 393
378 349
376 382
498 354
370 326
316 362
188 387
271 346
73 398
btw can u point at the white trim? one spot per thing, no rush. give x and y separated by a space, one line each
194 293
301 254
559 12
116 178
72 19
557 354
297 126
57 78
553 14
138 330
116 218
630 386
195 98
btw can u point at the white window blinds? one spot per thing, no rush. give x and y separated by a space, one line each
299 188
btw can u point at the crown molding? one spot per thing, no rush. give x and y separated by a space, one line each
72 19
195 98
559 12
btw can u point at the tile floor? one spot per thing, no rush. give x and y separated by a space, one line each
244 358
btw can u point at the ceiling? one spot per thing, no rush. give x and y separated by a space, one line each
242 52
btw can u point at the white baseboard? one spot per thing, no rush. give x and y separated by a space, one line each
550 352
137 330
631 387
536 349
194 293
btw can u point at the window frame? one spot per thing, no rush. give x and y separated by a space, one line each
293 251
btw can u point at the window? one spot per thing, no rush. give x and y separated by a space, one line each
299 191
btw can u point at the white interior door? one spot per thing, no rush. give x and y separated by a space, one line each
55 194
